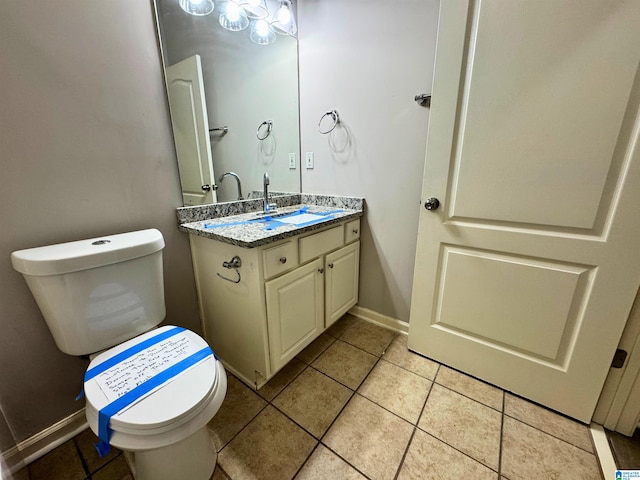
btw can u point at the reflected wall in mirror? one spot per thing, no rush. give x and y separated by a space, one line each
243 84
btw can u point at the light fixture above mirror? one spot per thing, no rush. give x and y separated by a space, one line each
255 9
197 7
262 33
237 15
283 21
233 17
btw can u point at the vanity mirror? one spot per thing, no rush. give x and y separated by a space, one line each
234 104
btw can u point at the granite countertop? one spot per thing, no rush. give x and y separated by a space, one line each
249 229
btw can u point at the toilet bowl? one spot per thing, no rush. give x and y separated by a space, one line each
166 430
106 295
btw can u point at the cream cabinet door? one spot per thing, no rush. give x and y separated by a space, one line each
527 270
295 313
341 281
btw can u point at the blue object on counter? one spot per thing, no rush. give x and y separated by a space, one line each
272 222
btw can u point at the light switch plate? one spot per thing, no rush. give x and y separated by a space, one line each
292 161
309 160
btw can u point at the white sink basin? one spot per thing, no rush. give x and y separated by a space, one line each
301 218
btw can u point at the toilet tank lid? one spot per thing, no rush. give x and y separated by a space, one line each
85 254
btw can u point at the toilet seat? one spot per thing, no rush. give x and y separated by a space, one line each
180 407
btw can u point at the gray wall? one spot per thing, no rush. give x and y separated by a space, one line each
367 59
86 150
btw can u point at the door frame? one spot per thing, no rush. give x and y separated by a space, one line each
618 408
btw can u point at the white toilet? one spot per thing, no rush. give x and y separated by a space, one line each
165 383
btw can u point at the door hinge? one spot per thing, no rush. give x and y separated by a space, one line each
619 358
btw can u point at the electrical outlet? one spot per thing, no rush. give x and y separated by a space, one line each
292 161
309 160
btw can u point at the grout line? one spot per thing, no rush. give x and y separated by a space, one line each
306 460
475 460
218 466
82 460
442 440
242 384
413 433
389 411
548 410
345 461
333 340
109 463
551 434
471 398
432 380
353 393
501 434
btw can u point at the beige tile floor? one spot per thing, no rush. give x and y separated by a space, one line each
356 404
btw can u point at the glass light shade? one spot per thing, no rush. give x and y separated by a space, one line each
262 33
283 21
255 9
197 7
233 17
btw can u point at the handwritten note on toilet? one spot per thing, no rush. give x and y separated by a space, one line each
137 369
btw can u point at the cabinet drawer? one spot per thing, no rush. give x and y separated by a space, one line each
280 258
352 231
320 243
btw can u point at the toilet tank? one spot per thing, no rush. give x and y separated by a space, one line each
99 292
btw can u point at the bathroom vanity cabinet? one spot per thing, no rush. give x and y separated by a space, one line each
287 293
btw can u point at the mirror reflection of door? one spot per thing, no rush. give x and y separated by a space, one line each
191 131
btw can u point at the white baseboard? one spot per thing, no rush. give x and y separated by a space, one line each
43 442
603 450
380 319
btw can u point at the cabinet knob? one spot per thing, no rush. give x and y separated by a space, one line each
355 230
283 259
330 265
321 270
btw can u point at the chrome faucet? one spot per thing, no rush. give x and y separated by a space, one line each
234 175
268 207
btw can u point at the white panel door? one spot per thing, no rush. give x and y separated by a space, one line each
526 272
191 131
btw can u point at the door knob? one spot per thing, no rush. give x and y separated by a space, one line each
432 203
206 188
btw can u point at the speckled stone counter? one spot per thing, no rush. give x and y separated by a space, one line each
235 222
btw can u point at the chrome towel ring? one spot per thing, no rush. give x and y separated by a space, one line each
267 131
235 263
336 120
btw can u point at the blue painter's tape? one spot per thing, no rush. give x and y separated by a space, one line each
107 364
272 222
105 414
